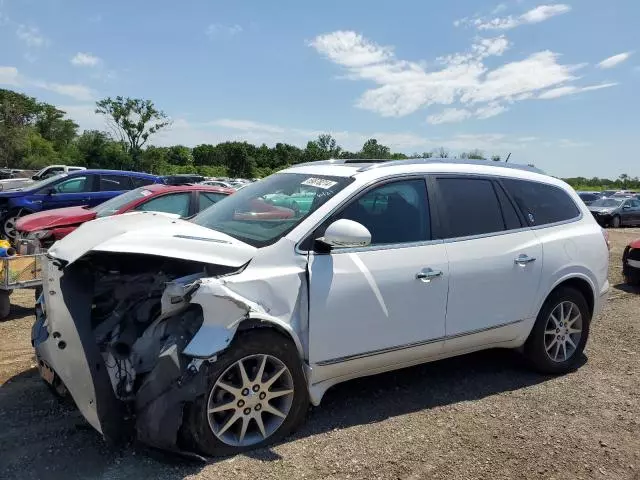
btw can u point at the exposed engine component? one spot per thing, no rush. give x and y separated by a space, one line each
140 309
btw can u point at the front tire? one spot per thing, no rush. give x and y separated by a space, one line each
9 223
616 222
560 333
256 395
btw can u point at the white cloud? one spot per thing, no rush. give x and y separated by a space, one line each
9 76
215 29
246 125
403 87
76 91
572 90
614 60
544 12
449 115
535 15
31 36
491 110
82 59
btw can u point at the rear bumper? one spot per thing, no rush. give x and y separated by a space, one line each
601 300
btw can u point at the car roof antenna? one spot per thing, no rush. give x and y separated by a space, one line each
507 159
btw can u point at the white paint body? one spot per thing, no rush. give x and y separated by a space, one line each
360 311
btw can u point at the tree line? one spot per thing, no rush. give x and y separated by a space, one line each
35 134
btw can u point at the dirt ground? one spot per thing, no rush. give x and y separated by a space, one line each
478 416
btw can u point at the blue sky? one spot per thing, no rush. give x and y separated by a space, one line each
555 84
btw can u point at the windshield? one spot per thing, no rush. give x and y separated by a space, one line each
43 183
263 212
112 206
607 202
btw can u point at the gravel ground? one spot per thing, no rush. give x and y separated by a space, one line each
478 416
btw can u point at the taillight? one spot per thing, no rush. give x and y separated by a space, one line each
605 234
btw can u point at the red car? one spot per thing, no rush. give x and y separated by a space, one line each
184 200
631 263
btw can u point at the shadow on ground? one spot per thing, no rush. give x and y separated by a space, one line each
17 312
625 287
40 437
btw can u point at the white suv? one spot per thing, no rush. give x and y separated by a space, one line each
214 335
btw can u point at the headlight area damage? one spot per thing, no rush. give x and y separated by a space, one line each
133 317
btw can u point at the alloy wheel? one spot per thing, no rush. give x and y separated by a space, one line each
563 331
250 400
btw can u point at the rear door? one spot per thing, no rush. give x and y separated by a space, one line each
110 185
495 261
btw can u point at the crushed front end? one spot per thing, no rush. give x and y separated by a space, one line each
112 329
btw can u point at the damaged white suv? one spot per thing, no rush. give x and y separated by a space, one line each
213 335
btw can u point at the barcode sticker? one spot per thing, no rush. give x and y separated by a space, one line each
319 183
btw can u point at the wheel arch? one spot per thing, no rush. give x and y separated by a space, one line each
581 283
257 320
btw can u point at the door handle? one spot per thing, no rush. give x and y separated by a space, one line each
428 274
524 259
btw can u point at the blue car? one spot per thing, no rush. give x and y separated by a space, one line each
85 187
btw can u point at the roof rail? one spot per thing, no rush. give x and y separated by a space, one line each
454 161
343 161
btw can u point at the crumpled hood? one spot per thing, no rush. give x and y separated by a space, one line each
153 234
602 209
59 217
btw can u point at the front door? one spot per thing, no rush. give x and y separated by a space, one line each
495 262
69 192
383 299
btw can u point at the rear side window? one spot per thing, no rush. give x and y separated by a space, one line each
541 204
470 207
141 181
114 183
172 203
207 199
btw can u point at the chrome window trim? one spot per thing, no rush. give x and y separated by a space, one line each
381 351
407 176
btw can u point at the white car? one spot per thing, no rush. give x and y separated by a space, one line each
214 335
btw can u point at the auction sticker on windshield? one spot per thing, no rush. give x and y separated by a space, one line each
145 193
319 183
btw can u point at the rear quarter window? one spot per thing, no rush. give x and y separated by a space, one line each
541 204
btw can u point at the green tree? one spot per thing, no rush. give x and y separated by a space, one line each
441 153
38 152
207 155
17 114
51 125
475 155
495 158
374 150
239 163
133 120
97 149
179 155
329 145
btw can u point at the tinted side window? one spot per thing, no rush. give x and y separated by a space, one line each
74 185
206 199
395 212
113 183
509 213
470 206
542 204
141 181
174 203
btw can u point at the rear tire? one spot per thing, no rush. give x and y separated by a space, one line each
554 334
248 349
5 303
632 277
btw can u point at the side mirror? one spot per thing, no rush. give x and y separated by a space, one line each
35 177
51 191
345 233
627 207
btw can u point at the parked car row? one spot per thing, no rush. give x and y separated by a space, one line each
213 334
